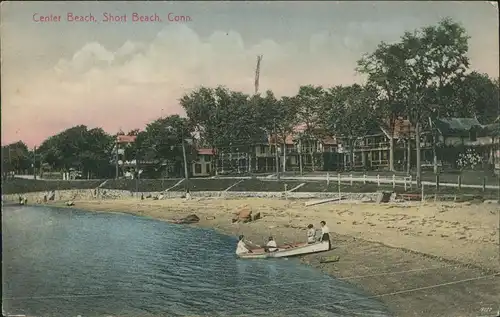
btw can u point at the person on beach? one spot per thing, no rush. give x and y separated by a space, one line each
271 245
242 248
325 234
311 234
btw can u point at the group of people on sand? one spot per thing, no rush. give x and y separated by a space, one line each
271 246
23 200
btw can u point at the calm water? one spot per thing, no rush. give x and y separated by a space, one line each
68 263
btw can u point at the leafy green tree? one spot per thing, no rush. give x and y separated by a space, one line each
350 113
275 118
309 101
161 142
474 94
436 56
15 158
86 150
384 68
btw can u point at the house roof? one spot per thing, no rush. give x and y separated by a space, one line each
493 129
457 126
125 138
402 129
206 151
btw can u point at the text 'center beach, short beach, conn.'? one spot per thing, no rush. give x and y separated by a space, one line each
107 17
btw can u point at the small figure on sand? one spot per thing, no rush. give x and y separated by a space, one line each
325 234
311 234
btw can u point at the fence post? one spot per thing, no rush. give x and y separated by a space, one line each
411 182
378 180
422 199
459 182
405 182
484 184
437 188
338 178
327 178
350 176
393 181
286 193
364 179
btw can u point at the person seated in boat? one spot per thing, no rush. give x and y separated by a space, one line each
242 247
271 245
325 234
311 234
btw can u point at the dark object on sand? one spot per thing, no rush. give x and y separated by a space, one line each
187 220
329 259
384 197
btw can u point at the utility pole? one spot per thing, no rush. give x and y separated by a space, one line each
116 158
34 162
186 174
276 150
300 156
257 74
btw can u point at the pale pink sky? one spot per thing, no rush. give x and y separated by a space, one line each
124 75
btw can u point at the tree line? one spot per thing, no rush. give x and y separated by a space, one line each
424 74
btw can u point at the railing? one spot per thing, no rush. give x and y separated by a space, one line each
407 181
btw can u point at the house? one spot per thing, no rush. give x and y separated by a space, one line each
493 130
454 135
372 151
202 166
297 150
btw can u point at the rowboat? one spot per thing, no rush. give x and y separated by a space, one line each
287 251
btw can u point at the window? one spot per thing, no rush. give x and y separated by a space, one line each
197 168
207 158
208 168
262 149
473 135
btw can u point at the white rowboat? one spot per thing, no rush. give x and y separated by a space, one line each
287 251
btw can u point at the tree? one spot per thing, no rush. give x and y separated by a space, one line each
276 118
474 94
86 150
224 119
15 158
204 108
350 113
384 68
161 142
435 57
308 104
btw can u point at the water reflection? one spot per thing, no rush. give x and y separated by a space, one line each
56 264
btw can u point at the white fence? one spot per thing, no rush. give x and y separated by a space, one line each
406 181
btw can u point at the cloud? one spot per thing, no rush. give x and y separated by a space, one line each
129 86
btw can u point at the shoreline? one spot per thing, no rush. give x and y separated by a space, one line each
400 267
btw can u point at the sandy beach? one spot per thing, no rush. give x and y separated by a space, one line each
432 259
